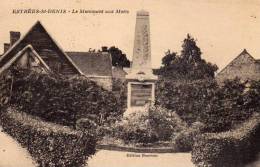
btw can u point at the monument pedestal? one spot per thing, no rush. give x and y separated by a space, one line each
140 92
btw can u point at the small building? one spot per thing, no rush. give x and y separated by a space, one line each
244 66
95 65
45 46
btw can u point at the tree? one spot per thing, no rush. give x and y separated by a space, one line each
190 51
187 65
118 57
169 58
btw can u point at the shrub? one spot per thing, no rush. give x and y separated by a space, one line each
184 140
252 96
63 100
219 107
150 126
166 123
233 148
226 108
187 98
49 144
120 91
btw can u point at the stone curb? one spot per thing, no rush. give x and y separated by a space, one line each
136 149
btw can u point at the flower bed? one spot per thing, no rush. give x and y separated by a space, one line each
49 144
233 148
154 125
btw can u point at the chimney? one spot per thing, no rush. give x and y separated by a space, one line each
14 36
104 49
6 46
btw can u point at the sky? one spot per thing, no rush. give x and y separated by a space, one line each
222 28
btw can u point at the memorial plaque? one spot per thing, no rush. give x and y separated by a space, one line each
141 94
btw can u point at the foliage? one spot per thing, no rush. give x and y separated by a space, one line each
184 140
5 88
226 108
252 96
233 148
120 91
150 126
187 65
118 57
169 58
49 144
63 100
218 107
164 122
188 99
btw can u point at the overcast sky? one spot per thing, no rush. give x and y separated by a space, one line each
223 28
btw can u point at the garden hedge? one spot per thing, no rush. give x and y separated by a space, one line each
49 144
233 148
63 100
218 107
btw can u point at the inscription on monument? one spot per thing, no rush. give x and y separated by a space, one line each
141 94
146 47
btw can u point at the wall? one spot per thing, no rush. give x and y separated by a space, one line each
118 73
104 81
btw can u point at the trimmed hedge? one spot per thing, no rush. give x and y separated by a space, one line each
187 98
233 148
184 140
50 145
220 108
63 100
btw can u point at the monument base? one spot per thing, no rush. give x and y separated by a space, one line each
131 110
139 95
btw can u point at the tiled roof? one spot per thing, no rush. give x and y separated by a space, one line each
92 63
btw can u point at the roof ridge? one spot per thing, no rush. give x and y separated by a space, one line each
242 53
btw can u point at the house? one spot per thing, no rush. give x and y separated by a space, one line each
244 66
95 65
45 46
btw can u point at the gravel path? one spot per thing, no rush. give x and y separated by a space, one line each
104 158
12 154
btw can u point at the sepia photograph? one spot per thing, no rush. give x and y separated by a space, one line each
120 83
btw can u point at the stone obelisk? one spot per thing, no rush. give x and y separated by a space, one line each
142 43
141 80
